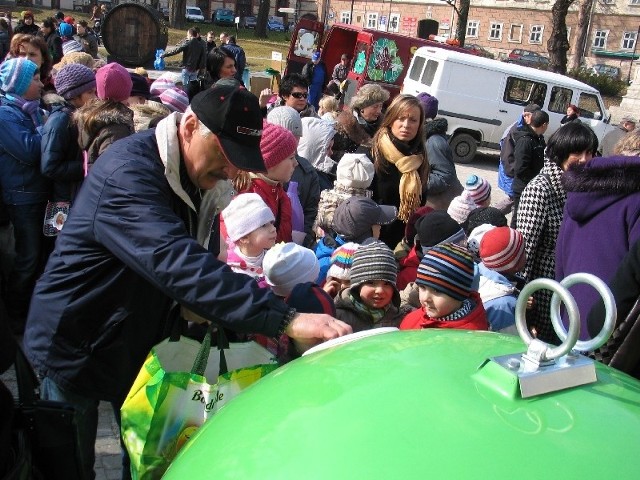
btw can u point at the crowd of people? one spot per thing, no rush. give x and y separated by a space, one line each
283 221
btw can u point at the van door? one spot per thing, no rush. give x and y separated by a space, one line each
358 73
306 39
593 113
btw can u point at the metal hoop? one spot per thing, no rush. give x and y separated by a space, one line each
572 310
610 310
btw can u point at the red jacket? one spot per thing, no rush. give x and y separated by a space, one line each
278 201
408 268
476 320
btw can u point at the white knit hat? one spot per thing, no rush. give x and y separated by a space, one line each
286 265
355 170
460 207
475 237
246 212
287 117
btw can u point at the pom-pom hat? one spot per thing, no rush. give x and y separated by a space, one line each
246 212
479 190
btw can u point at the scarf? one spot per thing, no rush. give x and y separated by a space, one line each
375 314
278 201
30 107
410 184
463 311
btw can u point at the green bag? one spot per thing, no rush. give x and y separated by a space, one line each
181 384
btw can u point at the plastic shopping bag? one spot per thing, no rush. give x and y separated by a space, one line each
158 63
181 384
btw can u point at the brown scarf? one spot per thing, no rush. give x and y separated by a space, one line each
410 184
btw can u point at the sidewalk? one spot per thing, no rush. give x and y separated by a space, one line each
108 458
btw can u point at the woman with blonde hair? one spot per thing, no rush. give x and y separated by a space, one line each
401 167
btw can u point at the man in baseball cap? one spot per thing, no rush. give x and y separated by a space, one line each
138 242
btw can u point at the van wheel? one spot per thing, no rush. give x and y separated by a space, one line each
464 148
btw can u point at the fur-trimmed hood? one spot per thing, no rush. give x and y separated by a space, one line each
596 185
436 126
121 115
143 113
347 124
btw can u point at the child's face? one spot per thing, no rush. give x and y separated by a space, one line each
376 293
282 172
263 237
437 304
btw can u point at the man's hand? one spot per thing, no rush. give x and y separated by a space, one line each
309 329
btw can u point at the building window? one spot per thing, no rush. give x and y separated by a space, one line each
629 40
345 17
600 38
634 2
495 31
473 26
515 33
372 20
535 35
394 22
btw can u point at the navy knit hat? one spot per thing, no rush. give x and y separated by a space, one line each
482 215
308 297
16 74
449 269
73 80
140 86
438 227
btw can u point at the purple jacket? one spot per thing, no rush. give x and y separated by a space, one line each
601 220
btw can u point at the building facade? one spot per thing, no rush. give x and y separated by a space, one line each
503 25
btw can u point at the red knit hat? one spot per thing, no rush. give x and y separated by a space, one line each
277 144
502 250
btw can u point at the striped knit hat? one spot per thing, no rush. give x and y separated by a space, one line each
502 250
16 75
374 262
342 260
478 188
175 99
449 269
71 46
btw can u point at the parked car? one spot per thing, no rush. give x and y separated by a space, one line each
194 14
528 58
248 22
274 24
604 69
223 16
478 50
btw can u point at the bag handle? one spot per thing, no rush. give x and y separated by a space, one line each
200 363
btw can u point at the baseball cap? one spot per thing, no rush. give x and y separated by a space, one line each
355 216
231 112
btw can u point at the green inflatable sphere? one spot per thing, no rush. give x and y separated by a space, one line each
416 405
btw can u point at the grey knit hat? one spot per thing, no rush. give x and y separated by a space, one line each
287 117
374 262
368 95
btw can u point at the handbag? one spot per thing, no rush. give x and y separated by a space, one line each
181 384
55 216
45 432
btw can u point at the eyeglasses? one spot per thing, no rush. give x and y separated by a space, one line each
299 95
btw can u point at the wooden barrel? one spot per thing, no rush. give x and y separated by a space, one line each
132 32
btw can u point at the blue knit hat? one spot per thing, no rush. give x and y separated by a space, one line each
447 268
65 30
16 75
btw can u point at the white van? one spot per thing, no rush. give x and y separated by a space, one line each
194 14
481 97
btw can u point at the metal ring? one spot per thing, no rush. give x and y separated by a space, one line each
610 311
572 310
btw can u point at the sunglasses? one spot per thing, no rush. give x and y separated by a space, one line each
299 95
